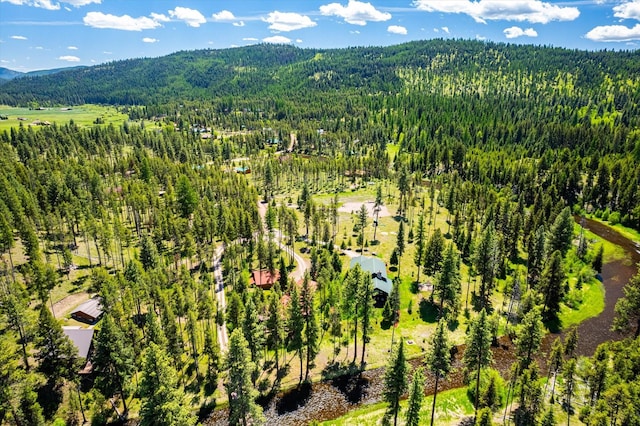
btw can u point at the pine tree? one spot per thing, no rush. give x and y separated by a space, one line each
192 330
395 381
555 363
560 233
365 294
552 286
400 243
529 337
420 245
187 197
477 354
536 256
363 214
243 409
416 398
433 253
56 355
530 397
253 330
569 384
598 372
350 301
212 350
295 326
628 307
148 254
311 328
113 360
485 262
447 284
275 327
438 359
163 402
549 418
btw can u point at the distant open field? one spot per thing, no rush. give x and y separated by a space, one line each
83 115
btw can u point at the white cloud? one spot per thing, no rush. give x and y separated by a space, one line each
397 29
150 40
39 48
480 37
160 17
191 17
355 12
238 24
78 3
124 22
249 39
355 32
445 29
277 39
614 33
514 32
630 10
72 48
69 58
18 37
534 11
223 15
298 40
287 21
49 5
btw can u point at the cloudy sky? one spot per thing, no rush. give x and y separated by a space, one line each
44 34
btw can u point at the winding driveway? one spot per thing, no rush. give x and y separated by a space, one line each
297 275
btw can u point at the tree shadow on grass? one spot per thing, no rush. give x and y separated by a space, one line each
205 410
49 398
554 325
428 311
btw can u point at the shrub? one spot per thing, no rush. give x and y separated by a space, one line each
614 218
492 390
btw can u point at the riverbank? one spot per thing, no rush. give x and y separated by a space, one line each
334 398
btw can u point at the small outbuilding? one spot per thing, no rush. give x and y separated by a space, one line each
89 312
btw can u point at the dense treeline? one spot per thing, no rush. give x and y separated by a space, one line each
509 141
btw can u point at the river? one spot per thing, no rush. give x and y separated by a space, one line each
615 275
326 401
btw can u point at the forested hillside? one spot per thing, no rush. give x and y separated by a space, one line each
458 164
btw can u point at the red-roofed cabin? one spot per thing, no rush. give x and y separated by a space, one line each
262 278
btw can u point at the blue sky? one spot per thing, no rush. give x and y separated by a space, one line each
44 34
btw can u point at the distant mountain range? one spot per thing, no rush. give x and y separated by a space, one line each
7 74
277 72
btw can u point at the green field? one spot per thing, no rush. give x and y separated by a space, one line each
83 115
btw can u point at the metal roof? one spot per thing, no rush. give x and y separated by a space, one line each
378 270
91 307
81 339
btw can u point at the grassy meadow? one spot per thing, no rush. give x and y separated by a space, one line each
83 115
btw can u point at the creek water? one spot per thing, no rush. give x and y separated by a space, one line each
330 400
615 275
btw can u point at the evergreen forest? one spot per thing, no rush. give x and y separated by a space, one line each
227 225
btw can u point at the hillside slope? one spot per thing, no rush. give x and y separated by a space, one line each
264 70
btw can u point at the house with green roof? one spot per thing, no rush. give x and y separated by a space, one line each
378 270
